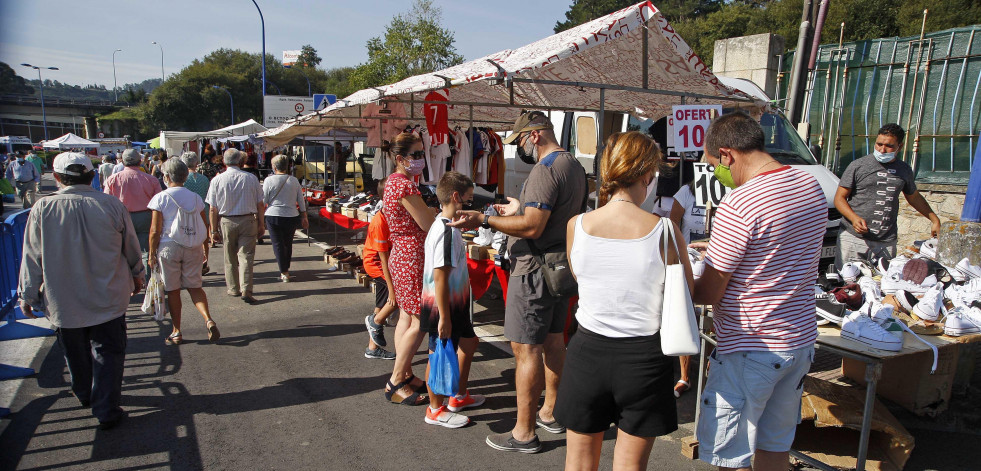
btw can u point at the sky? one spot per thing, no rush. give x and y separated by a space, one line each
79 37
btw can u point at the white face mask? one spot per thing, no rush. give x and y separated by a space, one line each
884 157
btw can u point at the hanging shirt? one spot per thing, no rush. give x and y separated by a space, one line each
437 117
463 160
383 129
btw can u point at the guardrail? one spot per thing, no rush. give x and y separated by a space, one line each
33 100
11 252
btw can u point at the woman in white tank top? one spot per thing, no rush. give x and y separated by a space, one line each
614 370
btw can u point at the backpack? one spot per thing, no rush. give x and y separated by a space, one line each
188 228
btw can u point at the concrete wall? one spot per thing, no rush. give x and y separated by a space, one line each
755 58
946 200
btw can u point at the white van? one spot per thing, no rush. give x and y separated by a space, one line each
11 144
576 132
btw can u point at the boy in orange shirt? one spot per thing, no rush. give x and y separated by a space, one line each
376 249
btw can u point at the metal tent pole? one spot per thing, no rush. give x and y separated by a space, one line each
599 145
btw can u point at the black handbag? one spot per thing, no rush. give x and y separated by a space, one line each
556 270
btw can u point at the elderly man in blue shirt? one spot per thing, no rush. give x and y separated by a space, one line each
25 177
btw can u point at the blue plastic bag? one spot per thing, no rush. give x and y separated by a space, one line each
444 369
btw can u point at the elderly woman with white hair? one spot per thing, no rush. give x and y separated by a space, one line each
176 235
285 209
198 183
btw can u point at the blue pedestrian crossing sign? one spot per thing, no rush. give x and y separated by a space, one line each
323 100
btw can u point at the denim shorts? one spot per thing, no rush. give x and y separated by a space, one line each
751 401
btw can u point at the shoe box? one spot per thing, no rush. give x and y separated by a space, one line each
350 212
480 252
907 381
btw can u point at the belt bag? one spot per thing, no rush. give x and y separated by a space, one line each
556 270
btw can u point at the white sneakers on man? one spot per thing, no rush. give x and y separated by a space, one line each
963 320
861 328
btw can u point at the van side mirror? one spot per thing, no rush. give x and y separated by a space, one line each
815 151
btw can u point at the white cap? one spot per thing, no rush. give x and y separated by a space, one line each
64 159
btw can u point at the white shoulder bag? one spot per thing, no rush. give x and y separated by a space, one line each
679 327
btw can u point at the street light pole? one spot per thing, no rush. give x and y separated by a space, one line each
231 101
278 90
309 92
161 62
114 84
263 21
44 116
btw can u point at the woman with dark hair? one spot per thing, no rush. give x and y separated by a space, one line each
615 371
249 164
409 220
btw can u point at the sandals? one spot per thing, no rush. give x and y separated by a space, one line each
415 399
680 387
213 334
174 338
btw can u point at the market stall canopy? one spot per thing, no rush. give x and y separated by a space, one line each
633 57
174 141
69 141
155 143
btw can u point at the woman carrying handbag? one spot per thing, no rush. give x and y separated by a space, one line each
615 370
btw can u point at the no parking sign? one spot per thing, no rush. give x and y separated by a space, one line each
690 124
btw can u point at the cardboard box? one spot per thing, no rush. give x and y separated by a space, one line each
350 212
831 418
477 252
907 380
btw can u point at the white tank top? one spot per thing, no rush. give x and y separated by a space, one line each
621 283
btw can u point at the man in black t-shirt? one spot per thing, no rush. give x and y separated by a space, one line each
868 198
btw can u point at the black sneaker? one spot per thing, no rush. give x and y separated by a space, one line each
379 354
506 442
375 331
831 310
552 427
112 423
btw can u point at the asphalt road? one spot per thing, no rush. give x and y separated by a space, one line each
287 387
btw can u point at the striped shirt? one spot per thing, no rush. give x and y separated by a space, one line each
234 192
767 233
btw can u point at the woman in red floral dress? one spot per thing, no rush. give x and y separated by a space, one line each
408 221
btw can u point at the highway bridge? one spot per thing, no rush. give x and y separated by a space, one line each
20 115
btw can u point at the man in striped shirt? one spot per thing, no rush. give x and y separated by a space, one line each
761 270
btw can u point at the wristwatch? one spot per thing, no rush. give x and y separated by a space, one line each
486 223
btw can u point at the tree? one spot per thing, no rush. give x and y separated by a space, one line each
414 43
11 83
584 11
308 57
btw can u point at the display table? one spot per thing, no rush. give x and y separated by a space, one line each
829 339
344 221
482 274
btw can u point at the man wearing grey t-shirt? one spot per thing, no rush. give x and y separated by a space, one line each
868 198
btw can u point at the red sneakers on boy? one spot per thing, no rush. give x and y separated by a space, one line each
456 405
445 418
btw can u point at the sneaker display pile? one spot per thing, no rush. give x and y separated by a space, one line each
862 329
963 320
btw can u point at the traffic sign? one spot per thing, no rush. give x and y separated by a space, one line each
101 134
323 100
690 124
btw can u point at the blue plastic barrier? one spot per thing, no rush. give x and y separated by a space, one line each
972 200
11 252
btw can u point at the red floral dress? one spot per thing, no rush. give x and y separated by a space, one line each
408 244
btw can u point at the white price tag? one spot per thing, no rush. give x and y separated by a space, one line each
707 187
690 124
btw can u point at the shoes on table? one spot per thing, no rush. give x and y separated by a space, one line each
861 328
893 282
929 248
963 320
831 310
968 271
931 304
870 289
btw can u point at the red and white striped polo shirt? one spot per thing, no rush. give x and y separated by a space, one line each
767 233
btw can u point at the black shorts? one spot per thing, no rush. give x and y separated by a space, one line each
626 381
381 292
462 328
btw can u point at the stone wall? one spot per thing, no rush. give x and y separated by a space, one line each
946 200
755 58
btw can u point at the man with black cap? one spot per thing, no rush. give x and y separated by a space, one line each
535 319
86 301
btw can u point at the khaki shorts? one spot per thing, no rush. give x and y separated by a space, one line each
181 266
531 312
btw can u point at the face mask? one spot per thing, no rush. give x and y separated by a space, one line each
415 167
528 153
884 157
724 175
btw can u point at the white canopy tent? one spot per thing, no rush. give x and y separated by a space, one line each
173 141
69 141
630 61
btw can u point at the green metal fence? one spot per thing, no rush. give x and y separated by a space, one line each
929 87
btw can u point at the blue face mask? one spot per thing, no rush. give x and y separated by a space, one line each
884 157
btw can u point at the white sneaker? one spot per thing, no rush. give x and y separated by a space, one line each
870 289
850 272
893 282
965 268
893 266
964 295
963 321
862 329
882 315
929 248
931 304
444 418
